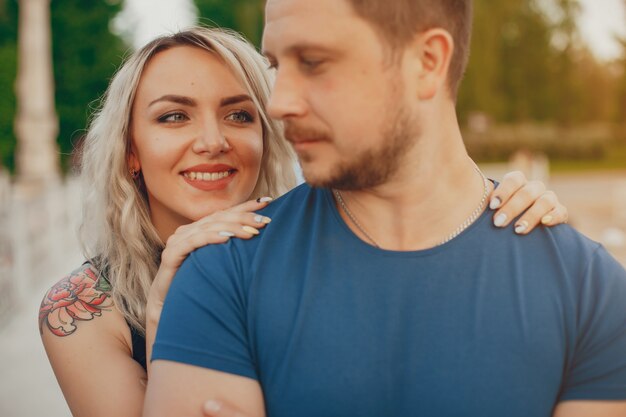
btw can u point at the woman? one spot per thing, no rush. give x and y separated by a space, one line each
180 144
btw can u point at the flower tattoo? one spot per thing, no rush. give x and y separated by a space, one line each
79 296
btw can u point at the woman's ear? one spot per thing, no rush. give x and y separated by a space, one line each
134 166
431 55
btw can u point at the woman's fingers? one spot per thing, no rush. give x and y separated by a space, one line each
522 199
240 221
183 242
547 203
558 215
254 220
227 222
251 205
511 182
547 211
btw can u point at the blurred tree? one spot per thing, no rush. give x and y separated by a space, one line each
510 58
524 58
528 63
619 115
85 55
245 16
570 88
8 69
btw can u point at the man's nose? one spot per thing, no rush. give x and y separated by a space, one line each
287 98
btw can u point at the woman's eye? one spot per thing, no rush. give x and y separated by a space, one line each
173 118
241 116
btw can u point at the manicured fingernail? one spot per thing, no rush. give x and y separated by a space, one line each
250 230
546 219
495 203
264 199
262 219
212 406
521 227
500 220
226 234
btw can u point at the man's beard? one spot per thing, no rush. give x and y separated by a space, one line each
371 167
376 166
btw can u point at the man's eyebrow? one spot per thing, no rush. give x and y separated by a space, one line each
227 101
186 101
297 49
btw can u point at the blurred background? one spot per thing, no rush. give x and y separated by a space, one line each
545 92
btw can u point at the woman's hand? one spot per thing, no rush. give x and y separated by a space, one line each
239 221
516 195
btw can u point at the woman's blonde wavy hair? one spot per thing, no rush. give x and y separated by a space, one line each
117 234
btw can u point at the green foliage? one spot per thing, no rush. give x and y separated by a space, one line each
619 114
528 64
8 58
85 56
245 16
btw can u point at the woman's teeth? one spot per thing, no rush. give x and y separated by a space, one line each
206 176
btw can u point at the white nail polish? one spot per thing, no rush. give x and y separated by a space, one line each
546 219
250 230
262 219
495 203
500 220
226 234
265 199
521 228
212 406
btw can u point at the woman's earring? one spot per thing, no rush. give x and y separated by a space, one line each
134 173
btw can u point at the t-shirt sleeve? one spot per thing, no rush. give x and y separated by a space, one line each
203 322
598 368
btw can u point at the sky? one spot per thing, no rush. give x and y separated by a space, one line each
599 21
141 20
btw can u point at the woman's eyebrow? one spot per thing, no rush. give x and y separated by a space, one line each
187 101
227 101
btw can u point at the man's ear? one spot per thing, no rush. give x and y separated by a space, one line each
431 55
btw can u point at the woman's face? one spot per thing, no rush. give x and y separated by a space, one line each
196 137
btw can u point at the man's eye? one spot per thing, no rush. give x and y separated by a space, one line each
310 64
241 116
173 118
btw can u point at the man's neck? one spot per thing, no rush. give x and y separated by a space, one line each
425 202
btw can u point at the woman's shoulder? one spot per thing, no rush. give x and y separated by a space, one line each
84 334
79 297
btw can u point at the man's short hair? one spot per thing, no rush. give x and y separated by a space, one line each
398 21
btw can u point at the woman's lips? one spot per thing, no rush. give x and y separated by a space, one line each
209 177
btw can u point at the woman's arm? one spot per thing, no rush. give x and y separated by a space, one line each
89 347
239 221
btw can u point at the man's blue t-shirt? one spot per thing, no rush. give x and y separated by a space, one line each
488 324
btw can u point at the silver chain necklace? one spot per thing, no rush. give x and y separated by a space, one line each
471 219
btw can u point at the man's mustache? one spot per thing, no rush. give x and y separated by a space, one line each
296 133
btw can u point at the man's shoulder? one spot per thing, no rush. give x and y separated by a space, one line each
295 199
287 212
571 250
569 239
560 239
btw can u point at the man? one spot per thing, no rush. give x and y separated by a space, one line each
380 292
